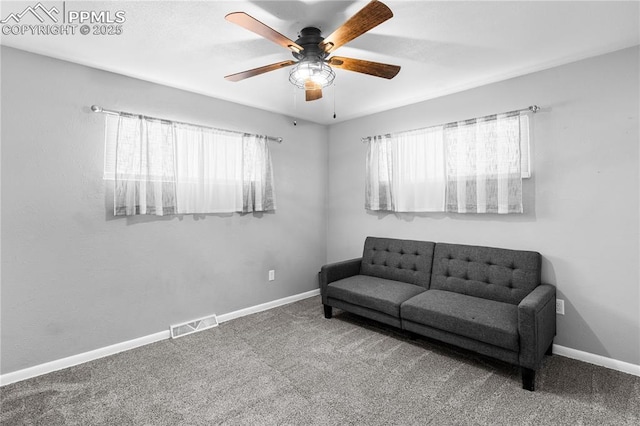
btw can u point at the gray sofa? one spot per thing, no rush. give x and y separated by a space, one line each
487 300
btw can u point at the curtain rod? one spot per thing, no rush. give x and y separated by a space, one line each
96 108
532 108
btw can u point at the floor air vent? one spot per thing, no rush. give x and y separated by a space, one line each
190 327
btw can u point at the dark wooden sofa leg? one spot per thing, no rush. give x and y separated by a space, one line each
549 350
412 336
328 310
528 379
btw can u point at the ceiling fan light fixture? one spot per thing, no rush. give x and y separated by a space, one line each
315 70
312 72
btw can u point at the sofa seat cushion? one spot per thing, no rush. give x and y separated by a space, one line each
374 293
485 320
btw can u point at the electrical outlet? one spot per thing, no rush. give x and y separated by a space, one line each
272 275
560 306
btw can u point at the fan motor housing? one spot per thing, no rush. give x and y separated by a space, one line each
310 39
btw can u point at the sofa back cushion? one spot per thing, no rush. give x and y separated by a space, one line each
490 273
400 260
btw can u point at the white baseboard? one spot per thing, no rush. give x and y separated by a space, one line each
49 367
267 306
613 364
60 364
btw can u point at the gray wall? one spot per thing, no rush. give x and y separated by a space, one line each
581 205
75 278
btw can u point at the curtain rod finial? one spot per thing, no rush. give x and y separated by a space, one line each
96 108
534 108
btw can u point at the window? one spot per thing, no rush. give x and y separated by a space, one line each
406 172
208 170
473 166
161 167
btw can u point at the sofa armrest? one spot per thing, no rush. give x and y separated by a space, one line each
536 324
337 271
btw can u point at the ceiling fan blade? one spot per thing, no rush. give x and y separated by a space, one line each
312 90
376 69
367 18
252 24
257 71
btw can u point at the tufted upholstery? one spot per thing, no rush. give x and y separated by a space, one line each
400 260
489 273
484 299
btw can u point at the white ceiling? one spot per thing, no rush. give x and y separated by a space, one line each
442 46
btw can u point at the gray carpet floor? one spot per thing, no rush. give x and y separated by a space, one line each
290 366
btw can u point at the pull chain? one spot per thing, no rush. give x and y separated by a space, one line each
334 101
295 105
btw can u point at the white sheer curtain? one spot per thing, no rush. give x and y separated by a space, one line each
405 172
258 193
165 168
208 170
472 166
378 173
418 177
483 165
144 167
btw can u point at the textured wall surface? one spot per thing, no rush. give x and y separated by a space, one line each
74 277
581 204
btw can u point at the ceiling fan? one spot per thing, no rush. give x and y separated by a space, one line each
312 70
